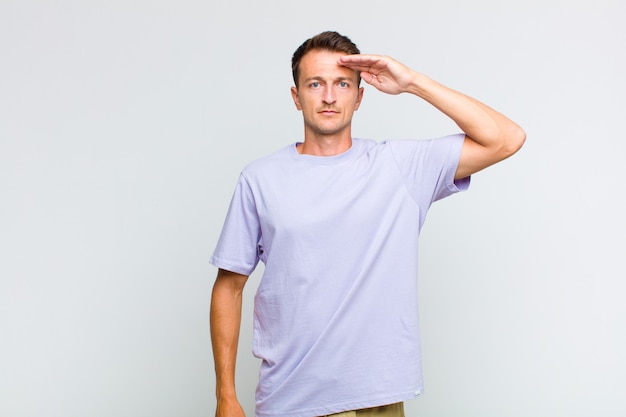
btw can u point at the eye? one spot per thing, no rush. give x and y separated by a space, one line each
315 84
343 84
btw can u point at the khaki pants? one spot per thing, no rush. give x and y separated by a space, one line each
391 410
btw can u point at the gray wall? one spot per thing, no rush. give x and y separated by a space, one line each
123 127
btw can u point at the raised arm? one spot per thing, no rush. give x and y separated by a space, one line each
490 136
226 302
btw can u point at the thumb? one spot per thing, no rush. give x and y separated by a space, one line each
370 78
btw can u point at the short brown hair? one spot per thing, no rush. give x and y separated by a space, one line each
329 41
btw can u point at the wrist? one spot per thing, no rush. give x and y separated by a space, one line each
419 85
226 392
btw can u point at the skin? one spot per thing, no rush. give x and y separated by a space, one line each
226 302
328 95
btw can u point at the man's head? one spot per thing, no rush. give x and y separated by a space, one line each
329 41
326 92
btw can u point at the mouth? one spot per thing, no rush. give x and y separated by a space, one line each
328 112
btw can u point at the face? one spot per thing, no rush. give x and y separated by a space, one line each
327 94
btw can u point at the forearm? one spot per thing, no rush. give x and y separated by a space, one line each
226 302
478 121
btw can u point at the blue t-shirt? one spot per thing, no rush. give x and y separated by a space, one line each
335 314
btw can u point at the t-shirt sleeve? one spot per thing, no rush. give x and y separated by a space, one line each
428 167
237 247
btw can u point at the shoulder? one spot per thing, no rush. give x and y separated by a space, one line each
440 147
270 162
365 144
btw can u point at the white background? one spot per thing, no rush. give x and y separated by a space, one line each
124 125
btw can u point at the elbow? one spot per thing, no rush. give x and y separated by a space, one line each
514 140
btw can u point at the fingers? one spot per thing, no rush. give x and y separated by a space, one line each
382 72
359 59
366 63
369 78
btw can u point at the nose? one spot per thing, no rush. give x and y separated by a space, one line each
329 95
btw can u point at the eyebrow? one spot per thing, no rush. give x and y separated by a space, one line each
320 78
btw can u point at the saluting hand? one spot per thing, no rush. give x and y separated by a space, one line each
382 72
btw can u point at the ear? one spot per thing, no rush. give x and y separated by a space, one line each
359 97
296 99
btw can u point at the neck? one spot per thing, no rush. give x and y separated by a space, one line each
325 145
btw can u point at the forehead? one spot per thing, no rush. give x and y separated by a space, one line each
323 64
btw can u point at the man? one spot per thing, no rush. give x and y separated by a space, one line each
336 220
